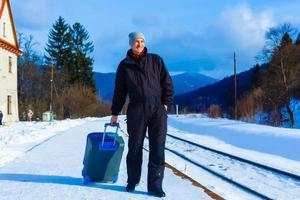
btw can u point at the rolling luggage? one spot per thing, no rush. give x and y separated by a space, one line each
103 154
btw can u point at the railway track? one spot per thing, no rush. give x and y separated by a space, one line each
251 177
273 178
289 174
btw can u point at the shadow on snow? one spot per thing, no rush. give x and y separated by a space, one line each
64 180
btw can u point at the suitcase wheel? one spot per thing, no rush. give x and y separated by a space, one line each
115 179
86 180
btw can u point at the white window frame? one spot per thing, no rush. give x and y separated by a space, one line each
9 105
10 64
4 29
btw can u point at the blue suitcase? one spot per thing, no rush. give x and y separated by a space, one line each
103 154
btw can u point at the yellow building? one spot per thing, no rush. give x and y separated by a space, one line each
9 52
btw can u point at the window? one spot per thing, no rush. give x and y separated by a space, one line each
10 64
9 104
4 31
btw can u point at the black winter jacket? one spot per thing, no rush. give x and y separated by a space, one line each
141 79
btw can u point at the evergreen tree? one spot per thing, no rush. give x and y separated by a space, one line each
82 70
298 40
286 40
59 49
255 81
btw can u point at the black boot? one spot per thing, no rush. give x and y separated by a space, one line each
155 178
130 187
157 193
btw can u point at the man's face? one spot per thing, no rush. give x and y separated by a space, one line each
138 46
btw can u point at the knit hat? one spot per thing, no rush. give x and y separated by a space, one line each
135 35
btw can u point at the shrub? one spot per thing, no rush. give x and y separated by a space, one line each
214 111
78 101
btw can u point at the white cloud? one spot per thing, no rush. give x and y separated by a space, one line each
188 36
244 27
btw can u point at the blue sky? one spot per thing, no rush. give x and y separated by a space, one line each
193 35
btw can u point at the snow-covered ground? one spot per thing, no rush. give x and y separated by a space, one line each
277 147
44 160
17 138
263 118
52 169
295 107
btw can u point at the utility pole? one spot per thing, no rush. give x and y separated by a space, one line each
235 92
51 85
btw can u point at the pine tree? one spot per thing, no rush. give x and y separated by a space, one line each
255 81
298 40
286 40
82 70
59 49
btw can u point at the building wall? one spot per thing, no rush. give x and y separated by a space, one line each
8 86
8 80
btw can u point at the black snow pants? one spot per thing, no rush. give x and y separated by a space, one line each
149 114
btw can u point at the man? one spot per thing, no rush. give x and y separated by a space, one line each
1 116
150 89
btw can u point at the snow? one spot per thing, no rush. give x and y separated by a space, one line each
275 147
237 136
17 138
52 170
46 159
262 117
226 166
295 107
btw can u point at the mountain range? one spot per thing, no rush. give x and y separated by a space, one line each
183 83
220 93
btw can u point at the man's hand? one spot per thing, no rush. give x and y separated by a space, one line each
113 120
166 107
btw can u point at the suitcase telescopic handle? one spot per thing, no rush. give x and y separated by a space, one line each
112 125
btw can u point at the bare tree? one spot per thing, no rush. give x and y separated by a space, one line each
280 79
29 77
273 40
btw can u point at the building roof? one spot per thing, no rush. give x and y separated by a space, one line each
14 48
